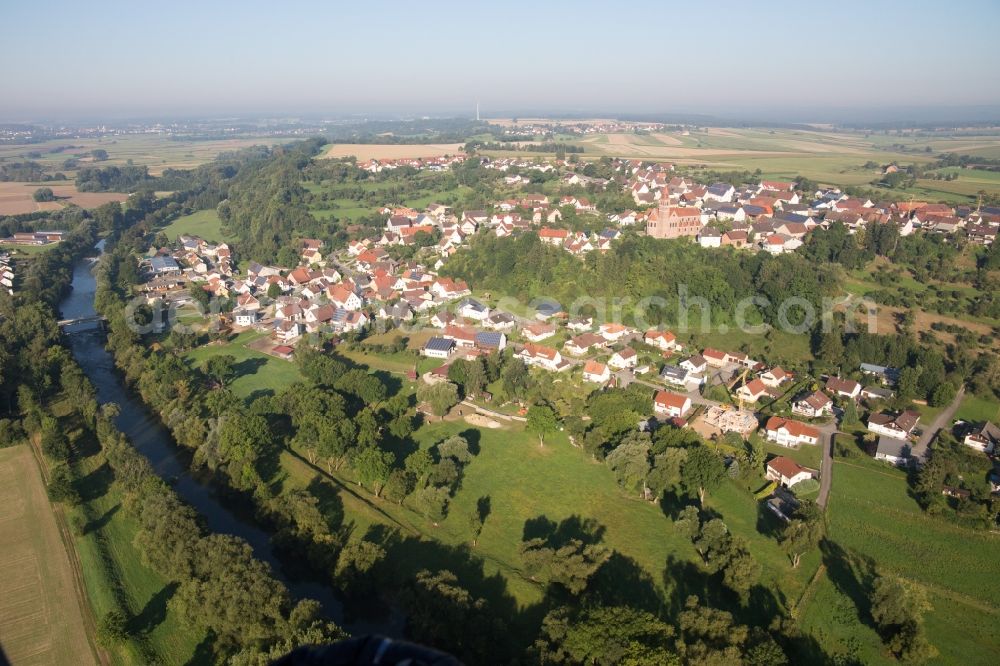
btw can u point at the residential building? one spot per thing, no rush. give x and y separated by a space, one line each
787 472
787 432
813 406
671 404
596 372
983 437
899 427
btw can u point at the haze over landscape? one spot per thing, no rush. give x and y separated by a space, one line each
779 61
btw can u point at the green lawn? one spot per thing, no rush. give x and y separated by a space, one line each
976 409
255 371
204 223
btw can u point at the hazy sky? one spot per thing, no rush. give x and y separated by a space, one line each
72 58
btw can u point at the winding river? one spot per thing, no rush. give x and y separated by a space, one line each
153 440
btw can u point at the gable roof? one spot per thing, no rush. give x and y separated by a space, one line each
794 428
786 467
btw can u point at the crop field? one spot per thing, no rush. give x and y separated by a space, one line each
379 151
16 198
830 157
41 621
156 152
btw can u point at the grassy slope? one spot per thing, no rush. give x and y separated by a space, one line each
204 223
873 518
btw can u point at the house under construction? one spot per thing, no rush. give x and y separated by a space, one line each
731 420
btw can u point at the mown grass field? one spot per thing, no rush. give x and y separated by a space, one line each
255 371
41 619
204 223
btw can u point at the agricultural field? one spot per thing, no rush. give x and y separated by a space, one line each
390 151
830 157
16 198
204 223
41 619
155 151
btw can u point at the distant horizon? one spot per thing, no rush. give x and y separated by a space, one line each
776 61
940 115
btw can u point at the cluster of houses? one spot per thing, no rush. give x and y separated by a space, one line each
6 273
441 163
34 238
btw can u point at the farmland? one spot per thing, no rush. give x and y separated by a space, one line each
832 157
41 621
380 151
158 152
16 198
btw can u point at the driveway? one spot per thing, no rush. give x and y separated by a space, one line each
943 419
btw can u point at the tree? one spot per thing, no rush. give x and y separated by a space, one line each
113 628
373 466
44 194
432 502
541 421
243 440
630 462
804 531
478 517
456 448
356 563
221 368
570 565
942 395
440 397
273 290
61 487
897 607
703 471
605 635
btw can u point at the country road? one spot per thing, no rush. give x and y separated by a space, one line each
943 419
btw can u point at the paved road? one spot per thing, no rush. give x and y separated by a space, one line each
943 420
826 434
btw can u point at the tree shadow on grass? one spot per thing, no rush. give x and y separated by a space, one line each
204 653
622 582
101 521
473 437
154 612
96 483
852 575
329 502
249 366
556 535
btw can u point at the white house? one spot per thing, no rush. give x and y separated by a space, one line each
626 358
662 340
983 438
787 432
671 404
596 372
470 308
543 357
439 348
787 472
813 406
245 317
898 427
845 388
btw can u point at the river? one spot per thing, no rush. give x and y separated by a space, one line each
153 440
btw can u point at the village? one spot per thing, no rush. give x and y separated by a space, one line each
716 392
